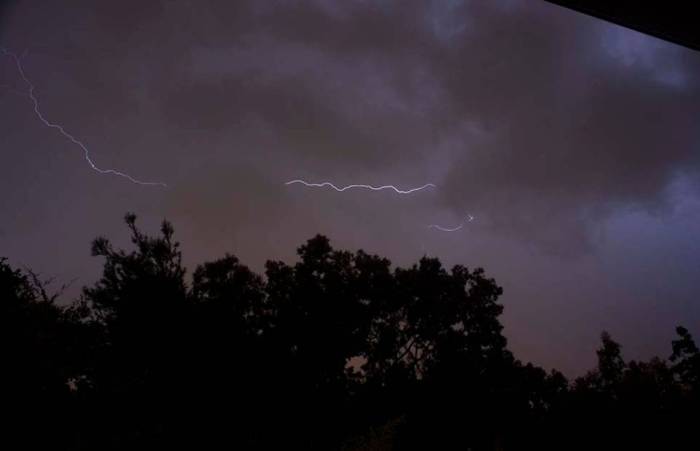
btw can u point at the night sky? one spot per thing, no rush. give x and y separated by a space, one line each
574 144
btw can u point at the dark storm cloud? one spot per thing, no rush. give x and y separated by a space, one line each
558 132
538 119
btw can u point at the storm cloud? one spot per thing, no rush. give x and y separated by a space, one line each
562 135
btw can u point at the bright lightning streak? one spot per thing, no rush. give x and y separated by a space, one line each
470 218
63 132
373 188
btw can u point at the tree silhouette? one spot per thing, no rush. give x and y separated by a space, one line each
42 361
686 361
339 350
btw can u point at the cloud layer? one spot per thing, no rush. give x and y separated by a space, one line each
543 124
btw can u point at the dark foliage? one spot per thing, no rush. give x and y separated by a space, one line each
338 351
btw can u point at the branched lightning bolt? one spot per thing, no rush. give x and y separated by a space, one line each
373 188
470 218
62 131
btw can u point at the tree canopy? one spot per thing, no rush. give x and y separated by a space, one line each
339 350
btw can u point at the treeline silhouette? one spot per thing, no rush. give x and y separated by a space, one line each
338 351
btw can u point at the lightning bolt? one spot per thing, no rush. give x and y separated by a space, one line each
369 187
62 131
470 218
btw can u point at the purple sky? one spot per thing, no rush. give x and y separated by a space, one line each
574 143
